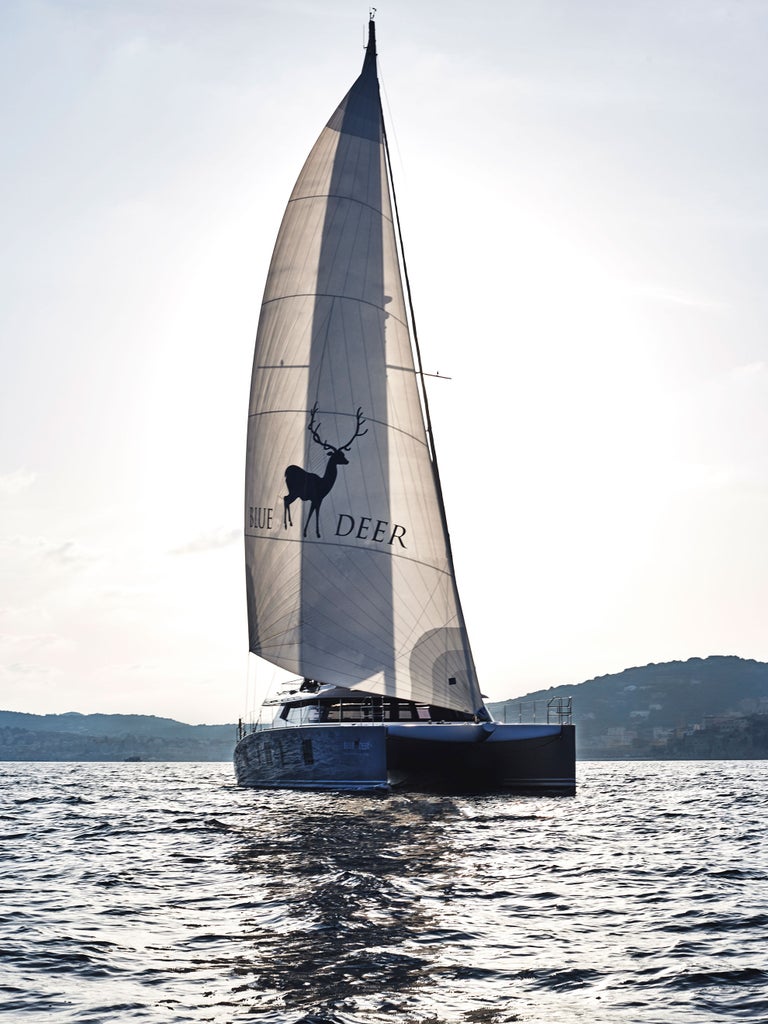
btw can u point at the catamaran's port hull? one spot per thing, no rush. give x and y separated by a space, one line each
519 758
340 757
456 757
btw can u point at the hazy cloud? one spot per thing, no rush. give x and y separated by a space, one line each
209 541
671 296
68 553
28 640
19 668
19 480
750 371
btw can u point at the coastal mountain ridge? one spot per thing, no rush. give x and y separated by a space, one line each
702 707
77 737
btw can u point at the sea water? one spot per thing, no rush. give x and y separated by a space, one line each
164 893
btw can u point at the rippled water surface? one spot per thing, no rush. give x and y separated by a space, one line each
163 893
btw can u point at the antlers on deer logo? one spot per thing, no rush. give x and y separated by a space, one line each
309 486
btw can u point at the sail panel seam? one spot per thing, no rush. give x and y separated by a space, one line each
347 199
352 547
334 296
387 426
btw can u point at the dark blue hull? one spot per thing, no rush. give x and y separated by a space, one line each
456 757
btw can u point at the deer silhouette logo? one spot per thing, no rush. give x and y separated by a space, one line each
311 487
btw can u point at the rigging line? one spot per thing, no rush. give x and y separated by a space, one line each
391 120
423 388
409 296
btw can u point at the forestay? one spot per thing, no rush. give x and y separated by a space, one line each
348 567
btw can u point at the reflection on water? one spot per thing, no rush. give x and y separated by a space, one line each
163 893
346 924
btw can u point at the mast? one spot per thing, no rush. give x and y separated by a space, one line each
349 575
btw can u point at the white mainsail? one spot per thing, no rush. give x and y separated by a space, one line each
348 568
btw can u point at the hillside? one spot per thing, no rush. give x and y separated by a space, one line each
76 737
703 707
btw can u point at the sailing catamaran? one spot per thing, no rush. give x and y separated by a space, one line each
349 574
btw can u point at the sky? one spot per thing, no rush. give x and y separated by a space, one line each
583 190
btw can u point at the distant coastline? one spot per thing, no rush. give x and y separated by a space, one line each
713 708
76 737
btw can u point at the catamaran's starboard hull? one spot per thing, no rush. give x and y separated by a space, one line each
464 757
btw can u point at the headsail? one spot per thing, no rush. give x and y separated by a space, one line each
348 569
